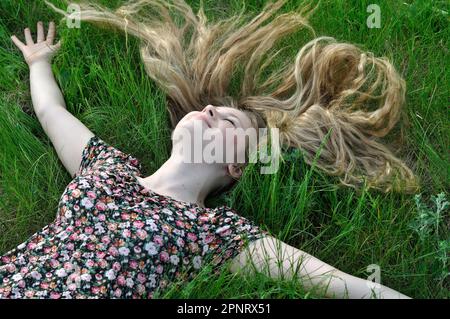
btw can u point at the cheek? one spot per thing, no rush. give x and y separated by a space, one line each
235 144
239 144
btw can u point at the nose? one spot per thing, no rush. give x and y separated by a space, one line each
210 111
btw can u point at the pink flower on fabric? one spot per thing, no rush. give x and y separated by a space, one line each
95 290
100 206
6 259
117 293
179 223
68 266
72 287
158 240
72 186
91 194
142 234
192 236
113 251
203 218
164 256
116 266
209 238
106 240
55 295
159 269
126 233
21 284
133 264
100 254
141 278
226 233
138 224
121 280
54 263
137 249
76 255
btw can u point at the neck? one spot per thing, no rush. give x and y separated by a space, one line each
188 182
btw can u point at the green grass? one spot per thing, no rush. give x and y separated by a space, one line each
105 86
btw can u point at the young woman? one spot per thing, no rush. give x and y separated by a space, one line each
119 234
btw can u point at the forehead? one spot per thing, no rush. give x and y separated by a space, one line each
243 117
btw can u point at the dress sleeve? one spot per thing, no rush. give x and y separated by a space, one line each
235 233
98 153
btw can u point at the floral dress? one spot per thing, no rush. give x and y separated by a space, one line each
115 238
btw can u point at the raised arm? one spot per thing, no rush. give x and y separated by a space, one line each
68 135
278 260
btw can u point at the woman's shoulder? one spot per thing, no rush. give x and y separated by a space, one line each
101 156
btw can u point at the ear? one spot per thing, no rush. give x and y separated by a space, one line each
234 170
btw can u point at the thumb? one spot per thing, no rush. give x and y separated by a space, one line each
17 42
57 46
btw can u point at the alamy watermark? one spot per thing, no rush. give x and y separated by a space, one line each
374 19
212 146
74 18
374 279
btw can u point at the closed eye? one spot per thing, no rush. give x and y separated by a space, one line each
230 122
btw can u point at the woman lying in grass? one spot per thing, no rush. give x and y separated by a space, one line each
118 234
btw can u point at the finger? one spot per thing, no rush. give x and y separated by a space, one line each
51 32
17 42
40 32
57 46
28 37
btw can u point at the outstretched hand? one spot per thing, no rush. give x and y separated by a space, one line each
43 49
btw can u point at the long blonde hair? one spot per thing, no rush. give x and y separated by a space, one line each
332 96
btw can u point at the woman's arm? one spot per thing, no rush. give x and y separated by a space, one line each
68 135
279 260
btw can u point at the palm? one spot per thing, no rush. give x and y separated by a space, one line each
43 49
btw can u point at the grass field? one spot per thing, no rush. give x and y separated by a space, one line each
105 86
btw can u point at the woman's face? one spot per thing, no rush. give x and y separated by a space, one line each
214 129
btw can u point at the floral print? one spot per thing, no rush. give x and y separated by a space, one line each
115 238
